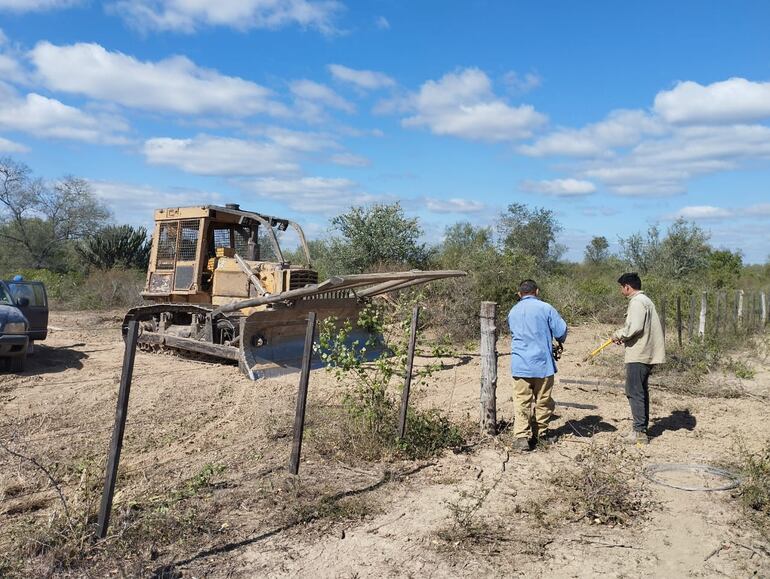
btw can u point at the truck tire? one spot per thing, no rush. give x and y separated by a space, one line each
16 364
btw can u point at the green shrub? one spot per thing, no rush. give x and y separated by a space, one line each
369 397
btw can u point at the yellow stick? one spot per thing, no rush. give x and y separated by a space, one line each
599 349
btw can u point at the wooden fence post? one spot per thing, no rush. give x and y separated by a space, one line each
740 307
702 321
755 310
116 444
691 318
488 346
763 306
299 417
408 379
679 319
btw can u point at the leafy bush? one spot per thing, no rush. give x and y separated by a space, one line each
369 390
376 235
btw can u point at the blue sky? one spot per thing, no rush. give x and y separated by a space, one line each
616 115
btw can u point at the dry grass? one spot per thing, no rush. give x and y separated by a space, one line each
755 488
605 487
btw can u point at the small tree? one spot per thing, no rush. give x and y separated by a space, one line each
377 235
724 268
597 251
531 232
116 246
684 250
642 252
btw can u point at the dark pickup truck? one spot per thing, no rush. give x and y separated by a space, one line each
23 319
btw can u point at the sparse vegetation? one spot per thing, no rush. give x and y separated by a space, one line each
755 486
605 488
64 541
465 523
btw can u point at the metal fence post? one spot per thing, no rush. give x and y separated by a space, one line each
116 444
408 379
299 418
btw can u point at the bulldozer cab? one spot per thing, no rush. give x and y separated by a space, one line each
188 241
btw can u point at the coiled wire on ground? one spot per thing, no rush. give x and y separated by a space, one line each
652 470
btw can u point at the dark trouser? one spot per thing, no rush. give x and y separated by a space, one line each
638 394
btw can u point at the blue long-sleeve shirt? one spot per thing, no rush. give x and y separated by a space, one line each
534 324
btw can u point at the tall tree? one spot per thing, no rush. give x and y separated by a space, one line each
685 250
597 251
37 221
531 232
378 235
642 252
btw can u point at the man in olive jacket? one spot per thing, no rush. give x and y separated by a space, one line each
642 337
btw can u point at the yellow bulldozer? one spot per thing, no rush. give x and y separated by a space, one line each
221 287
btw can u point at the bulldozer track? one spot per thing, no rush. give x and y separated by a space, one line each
157 342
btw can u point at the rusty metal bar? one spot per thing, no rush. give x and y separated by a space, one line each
299 418
116 443
408 379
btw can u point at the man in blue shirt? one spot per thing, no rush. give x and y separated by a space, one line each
534 324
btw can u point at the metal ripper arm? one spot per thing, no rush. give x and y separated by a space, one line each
372 284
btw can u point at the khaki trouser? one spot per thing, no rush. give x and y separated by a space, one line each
527 391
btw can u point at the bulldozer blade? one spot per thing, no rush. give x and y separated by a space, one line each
272 341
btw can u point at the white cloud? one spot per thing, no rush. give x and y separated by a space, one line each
10 69
760 209
701 212
135 204
309 194
735 100
174 85
664 166
463 105
521 84
363 79
657 152
191 15
3 37
382 23
207 155
319 94
621 128
747 215
350 160
454 205
49 118
7 146
301 141
36 5
559 187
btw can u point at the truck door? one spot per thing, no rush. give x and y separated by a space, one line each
36 310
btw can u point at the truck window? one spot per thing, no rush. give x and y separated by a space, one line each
33 293
4 297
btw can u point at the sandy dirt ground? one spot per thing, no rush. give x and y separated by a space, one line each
389 517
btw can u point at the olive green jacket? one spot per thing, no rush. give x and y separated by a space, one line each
642 335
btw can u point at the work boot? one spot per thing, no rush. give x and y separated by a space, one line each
636 437
546 438
521 444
